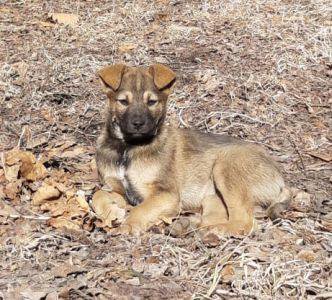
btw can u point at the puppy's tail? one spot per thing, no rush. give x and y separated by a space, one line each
275 210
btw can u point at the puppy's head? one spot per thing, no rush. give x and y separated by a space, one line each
137 99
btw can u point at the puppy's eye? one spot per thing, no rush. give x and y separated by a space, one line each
152 102
123 102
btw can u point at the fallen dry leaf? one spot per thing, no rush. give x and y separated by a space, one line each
56 208
66 269
11 173
61 222
327 221
52 296
24 163
109 207
2 192
69 210
227 273
65 19
47 24
127 47
302 201
30 294
77 151
12 189
15 156
6 210
45 193
38 172
80 198
211 240
307 255
2 175
74 209
155 270
325 156
38 140
166 220
133 281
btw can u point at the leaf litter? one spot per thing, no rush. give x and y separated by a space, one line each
258 71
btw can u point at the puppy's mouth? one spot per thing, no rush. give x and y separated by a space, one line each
138 137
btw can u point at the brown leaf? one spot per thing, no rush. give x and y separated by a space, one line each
15 156
301 201
152 260
2 192
88 223
21 70
127 47
45 193
26 163
307 255
133 281
74 210
83 204
12 189
56 207
155 270
65 19
61 222
52 296
38 172
66 269
227 273
258 254
166 220
327 222
325 156
109 207
77 151
39 140
47 24
211 240
30 294
6 210
2 176
11 173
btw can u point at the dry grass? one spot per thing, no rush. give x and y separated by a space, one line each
259 70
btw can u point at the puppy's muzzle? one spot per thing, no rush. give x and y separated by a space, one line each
137 124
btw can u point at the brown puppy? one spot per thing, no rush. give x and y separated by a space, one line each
162 170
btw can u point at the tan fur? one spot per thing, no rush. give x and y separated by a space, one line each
182 169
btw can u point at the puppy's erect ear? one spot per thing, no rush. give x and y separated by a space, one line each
111 75
163 76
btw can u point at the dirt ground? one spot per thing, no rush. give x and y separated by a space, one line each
257 70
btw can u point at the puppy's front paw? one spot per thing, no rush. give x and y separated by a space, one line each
123 229
230 229
128 229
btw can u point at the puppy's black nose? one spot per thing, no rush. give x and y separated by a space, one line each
138 123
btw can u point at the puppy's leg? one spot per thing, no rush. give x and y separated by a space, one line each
213 214
240 212
245 176
143 216
230 183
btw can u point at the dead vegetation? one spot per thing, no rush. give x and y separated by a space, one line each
259 70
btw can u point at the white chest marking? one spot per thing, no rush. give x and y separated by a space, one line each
117 131
121 175
121 171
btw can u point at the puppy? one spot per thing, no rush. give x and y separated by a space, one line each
163 170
